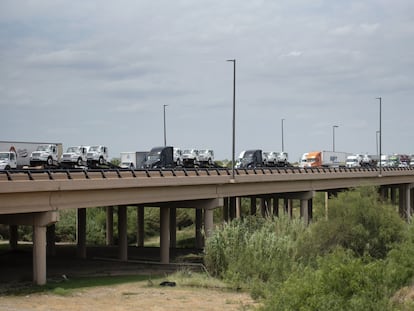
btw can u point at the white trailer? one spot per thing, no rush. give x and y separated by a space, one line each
133 159
24 152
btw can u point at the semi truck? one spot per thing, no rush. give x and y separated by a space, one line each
31 153
75 156
133 160
250 159
326 159
160 157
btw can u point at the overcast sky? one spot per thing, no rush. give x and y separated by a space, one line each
99 72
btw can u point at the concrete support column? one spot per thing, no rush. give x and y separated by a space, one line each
165 235
253 207
238 207
304 210
275 206
81 233
208 222
51 240
14 236
226 209
109 225
173 227
39 255
393 196
140 226
405 202
232 208
122 233
310 209
198 228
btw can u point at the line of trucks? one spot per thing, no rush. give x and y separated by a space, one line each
344 159
18 155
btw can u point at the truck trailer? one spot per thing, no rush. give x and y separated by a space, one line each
133 160
326 159
33 153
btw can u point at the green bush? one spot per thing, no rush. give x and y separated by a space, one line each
357 221
250 252
339 282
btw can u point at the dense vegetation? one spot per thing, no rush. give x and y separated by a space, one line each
357 260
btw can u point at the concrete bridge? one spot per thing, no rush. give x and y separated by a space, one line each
35 198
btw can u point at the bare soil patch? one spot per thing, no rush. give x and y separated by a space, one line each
131 296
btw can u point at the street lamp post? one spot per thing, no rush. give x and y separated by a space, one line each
380 135
165 129
283 146
333 136
234 115
376 137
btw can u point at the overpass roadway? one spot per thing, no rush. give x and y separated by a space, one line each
35 197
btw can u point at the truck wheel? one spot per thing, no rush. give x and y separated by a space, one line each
7 168
101 161
79 162
49 161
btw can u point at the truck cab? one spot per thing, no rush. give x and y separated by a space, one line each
206 157
274 158
160 157
44 155
178 156
75 156
250 159
97 155
8 160
190 157
353 160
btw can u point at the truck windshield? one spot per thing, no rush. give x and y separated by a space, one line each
94 148
4 155
248 155
153 156
72 149
43 148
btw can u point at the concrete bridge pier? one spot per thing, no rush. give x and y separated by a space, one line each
39 221
122 233
14 236
173 227
405 206
140 226
109 225
275 205
253 206
81 233
199 242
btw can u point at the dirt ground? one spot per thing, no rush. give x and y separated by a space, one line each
131 296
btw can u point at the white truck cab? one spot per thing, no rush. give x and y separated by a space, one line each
190 157
45 155
75 156
8 160
178 156
353 160
97 155
206 157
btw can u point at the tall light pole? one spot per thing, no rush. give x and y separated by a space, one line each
283 146
376 137
234 116
333 136
165 129
380 135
